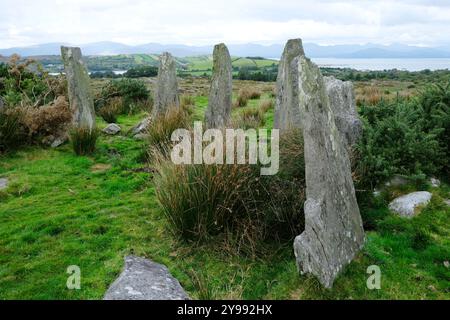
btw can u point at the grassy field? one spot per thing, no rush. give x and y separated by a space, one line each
61 210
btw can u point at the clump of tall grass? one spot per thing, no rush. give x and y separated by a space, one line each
250 118
84 140
111 110
160 132
12 132
245 94
232 203
266 105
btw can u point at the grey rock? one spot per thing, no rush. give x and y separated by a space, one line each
342 100
435 183
141 127
406 205
447 202
166 95
141 136
80 98
143 279
220 95
112 129
287 111
334 232
1 104
3 183
59 141
397 181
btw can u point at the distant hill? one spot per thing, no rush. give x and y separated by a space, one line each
240 50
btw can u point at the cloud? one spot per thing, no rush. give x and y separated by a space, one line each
201 22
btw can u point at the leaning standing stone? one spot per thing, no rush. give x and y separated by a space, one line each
333 227
342 100
287 112
167 86
81 102
220 94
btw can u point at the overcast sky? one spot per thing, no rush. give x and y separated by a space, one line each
204 22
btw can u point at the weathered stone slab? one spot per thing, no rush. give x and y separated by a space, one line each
141 127
287 111
333 227
166 95
406 206
143 279
80 98
220 95
3 183
112 129
343 104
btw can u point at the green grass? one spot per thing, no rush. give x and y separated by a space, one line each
63 210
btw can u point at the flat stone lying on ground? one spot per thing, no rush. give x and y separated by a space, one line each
143 279
112 129
406 206
3 183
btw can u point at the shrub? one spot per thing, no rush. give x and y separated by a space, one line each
12 132
435 103
395 141
111 110
49 119
84 140
134 93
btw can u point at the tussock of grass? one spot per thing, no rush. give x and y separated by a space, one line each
84 140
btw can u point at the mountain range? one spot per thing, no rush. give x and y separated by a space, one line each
367 51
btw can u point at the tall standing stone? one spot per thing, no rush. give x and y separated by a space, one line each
343 103
80 98
287 111
220 94
167 85
333 227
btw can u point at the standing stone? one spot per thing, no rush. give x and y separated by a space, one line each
81 102
333 227
220 94
167 86
342 100
287 111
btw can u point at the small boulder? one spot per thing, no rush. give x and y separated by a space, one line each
397 181
447 202
143 279
59 141
406 205
112 129
435 183
141 127
141 136
3 183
